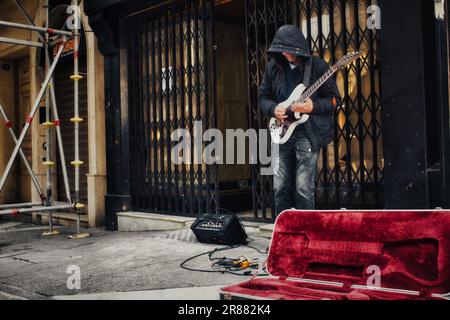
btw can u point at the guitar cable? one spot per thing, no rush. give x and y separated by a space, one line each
210 254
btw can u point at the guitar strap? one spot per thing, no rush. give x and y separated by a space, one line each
307 73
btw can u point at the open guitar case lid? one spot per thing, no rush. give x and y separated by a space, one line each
354 255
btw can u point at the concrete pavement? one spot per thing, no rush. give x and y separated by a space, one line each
112 265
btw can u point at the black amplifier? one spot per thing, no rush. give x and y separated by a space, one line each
219 228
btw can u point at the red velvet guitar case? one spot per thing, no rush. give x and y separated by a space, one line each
354 255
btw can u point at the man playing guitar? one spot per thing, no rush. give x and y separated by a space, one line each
292 64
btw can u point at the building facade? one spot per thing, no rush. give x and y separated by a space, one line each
169 64
21 76
157 66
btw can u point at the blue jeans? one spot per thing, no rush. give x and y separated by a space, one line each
294 181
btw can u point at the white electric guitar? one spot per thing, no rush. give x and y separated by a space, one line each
281 131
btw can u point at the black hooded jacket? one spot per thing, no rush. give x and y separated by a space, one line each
319 127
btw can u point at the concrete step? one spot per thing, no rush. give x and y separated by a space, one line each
266 230
140 221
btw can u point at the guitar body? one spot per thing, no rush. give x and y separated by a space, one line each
282 131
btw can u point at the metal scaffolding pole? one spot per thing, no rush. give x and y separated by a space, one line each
34 28
23 157
76 121
30 117
48 163
62 157
35 209
48 124
20 205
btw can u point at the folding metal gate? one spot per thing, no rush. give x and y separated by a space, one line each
171 68
350 169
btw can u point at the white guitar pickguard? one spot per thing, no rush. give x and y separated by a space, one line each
278 131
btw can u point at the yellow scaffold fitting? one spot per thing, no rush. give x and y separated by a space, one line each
79 206
47 124
76 77
80 236
76 119
77 163
48 163
51 233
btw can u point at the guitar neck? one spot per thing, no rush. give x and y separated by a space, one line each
310 91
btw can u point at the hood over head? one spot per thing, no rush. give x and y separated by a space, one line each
288 38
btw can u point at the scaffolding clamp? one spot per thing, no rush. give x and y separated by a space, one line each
79 206
51 233
76 77
77 119
77 163
80 236
47 124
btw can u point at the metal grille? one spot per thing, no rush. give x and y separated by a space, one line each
350 170
172 85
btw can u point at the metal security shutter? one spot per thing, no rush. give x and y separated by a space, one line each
64 99
172 85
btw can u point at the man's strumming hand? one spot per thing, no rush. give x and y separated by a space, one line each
280 113
306 107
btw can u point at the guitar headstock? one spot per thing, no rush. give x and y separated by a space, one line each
348 59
